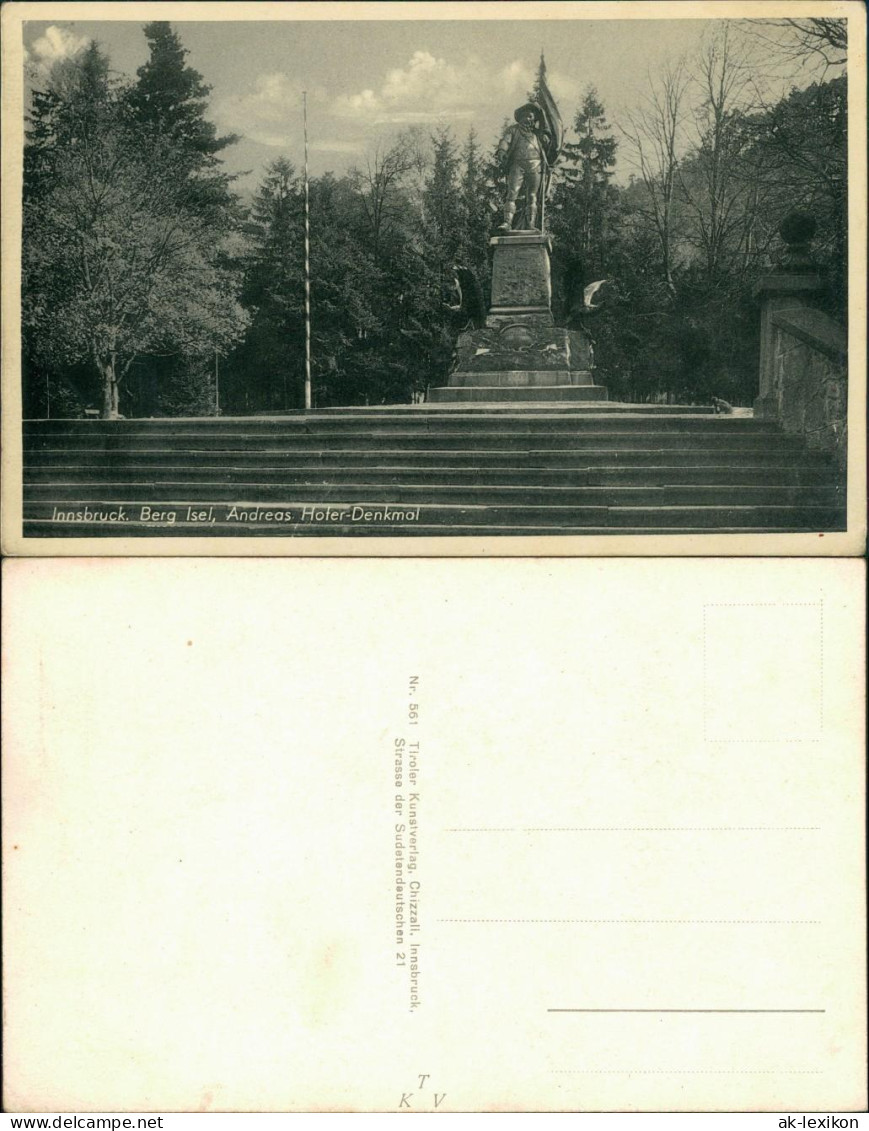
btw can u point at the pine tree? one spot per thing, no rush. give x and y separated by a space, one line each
442 202
168 104
533 94
585 203
494 177
71 110
442 234
478 206
273 351
588 167
172 98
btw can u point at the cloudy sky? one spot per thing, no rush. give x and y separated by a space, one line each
367 79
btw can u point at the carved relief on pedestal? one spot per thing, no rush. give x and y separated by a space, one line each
521 278
520 274
521 346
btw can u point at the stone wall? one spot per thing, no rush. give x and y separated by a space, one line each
810 379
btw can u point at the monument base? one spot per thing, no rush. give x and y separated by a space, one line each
521 345
536 394
501 378
520 355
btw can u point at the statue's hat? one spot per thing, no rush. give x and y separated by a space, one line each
533 107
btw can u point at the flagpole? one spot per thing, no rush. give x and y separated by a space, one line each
307 263
544 170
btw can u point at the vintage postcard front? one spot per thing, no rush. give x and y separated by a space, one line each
435 279
434 836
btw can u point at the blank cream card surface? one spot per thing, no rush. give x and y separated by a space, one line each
530 835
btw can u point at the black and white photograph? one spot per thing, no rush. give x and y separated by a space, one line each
434 531
511 272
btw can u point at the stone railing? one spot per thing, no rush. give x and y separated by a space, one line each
803 352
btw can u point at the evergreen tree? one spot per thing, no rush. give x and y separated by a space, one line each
478 205
352 300
172 98
266 372
168 103
586 175
441 198
345 309
494 178
442 205
533 94
584 211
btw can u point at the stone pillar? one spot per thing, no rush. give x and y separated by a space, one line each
794 285
521 283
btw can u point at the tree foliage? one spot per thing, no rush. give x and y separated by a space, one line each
145 271
171 99
121 258
584 210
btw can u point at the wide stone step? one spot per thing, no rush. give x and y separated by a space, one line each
426 409
402 493
766 460
441 471
386 424
444 441
108 517
376 472
490 408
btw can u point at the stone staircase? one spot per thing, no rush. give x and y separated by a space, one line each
497 469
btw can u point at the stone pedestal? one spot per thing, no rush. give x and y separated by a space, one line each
520 354
521 282
521 346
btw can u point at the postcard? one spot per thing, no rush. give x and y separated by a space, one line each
367 279
527 835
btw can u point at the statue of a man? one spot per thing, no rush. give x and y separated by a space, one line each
526 152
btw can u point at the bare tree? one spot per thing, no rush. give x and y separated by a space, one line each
655 133
386 172
798 155
716 193
822 41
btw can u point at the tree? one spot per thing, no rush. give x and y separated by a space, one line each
820 42
169 101
478 205
272 354
116 261
372 318
382 185
715 183
800 148
442 210
171 98
655 134
441 198
345 307
584 208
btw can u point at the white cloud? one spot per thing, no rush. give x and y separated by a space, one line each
427 88
57 43
269 111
